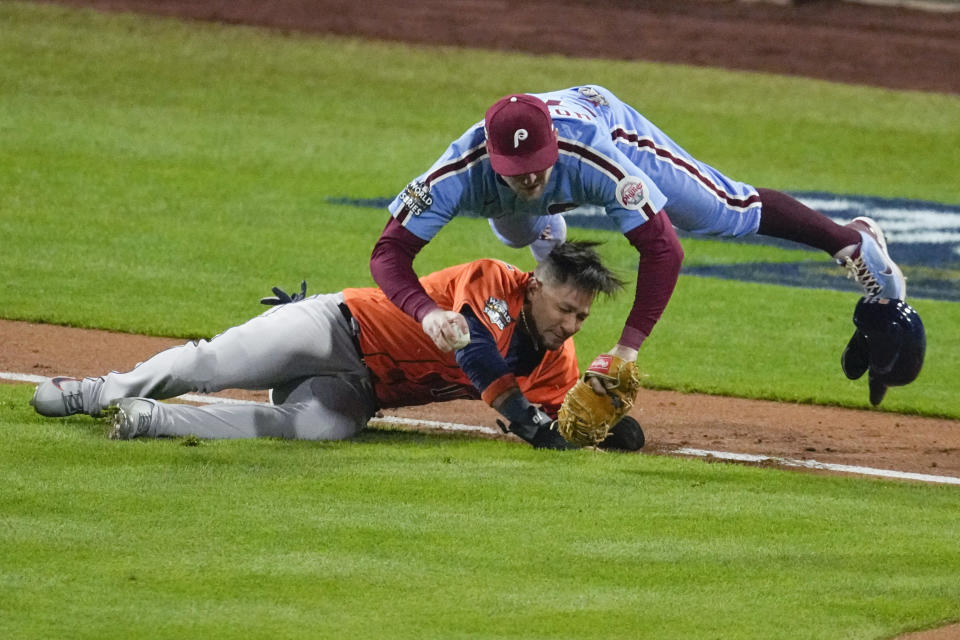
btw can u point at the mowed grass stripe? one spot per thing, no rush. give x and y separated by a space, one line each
403 535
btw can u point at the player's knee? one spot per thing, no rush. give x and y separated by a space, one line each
328 408
541 248
316 421
195 364
515 240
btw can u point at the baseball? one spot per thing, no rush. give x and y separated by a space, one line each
461 338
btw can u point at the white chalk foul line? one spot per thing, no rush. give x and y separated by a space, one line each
813 464
22 377
446 426
413 422
684 451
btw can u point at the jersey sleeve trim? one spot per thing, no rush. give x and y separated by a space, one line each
603 164
497 387
445 170
458 165
619 134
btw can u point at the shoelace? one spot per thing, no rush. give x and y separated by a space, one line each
143 423
73 402
857 270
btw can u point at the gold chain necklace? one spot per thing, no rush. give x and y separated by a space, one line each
529 330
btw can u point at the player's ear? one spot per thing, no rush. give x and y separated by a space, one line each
533 287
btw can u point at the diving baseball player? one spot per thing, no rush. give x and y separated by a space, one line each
535 156
333 360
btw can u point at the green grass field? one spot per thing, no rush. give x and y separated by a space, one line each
402 535
159 176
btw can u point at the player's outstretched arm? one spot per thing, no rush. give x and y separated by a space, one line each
391 265
660 258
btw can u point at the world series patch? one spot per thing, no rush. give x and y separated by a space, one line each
496 309
417 197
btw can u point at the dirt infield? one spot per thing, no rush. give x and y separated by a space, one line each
882 46
671 420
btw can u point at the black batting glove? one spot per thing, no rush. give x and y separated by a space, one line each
282 297
550 438
537 429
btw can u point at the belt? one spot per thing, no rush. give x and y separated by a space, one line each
355 338
354 328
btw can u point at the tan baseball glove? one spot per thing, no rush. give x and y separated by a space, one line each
586 417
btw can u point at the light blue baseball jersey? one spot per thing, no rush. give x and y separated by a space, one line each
610 156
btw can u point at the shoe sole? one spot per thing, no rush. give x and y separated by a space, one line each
113 417
118 416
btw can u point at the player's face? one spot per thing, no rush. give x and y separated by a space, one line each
529 186
556 311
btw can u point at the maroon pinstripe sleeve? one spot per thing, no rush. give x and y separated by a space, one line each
660 259
391 266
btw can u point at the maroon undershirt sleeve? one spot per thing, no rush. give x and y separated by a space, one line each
660 259
391 266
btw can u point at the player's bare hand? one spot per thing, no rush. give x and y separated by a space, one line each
624 353
447 329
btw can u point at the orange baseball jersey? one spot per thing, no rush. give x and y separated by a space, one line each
408 369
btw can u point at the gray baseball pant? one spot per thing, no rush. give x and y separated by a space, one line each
304 351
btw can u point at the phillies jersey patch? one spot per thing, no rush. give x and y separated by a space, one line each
496 310
417 197
631 193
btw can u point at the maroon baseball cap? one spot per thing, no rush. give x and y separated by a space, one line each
520 137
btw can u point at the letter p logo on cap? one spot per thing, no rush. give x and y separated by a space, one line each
520 118
518 135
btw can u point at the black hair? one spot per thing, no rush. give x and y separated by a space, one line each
577 262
